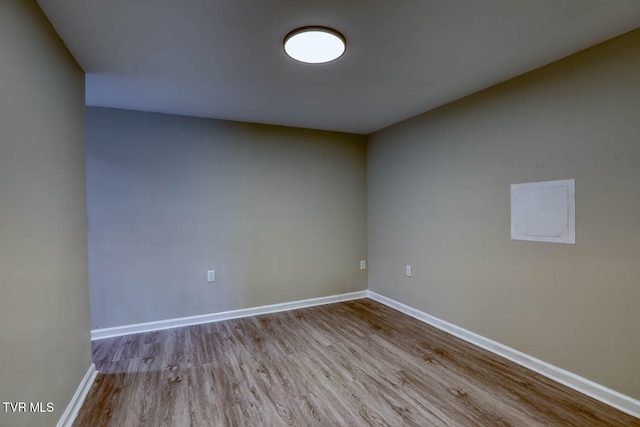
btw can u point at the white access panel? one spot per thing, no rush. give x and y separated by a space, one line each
544 211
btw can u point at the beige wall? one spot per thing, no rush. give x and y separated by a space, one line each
438 199
45 347
279 213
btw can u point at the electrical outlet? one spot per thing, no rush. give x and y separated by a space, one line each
408 271
363 265
211 276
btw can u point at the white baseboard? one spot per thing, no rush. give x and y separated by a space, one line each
606 395
117 331
70 414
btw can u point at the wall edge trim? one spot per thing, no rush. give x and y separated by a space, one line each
69 415
98 334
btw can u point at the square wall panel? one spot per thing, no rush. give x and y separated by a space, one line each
544 211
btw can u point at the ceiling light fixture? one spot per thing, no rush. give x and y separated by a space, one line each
315 45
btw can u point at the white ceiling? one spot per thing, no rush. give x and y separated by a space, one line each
224 58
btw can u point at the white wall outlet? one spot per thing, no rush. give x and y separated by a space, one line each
211 276
363 265
408 271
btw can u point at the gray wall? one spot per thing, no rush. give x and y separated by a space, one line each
45 347
279 213
438 199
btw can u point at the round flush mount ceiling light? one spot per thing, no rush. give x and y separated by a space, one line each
315 45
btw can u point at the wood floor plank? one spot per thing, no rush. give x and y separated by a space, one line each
357 363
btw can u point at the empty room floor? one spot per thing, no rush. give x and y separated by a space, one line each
356 363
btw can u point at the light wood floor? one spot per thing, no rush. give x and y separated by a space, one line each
357 363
